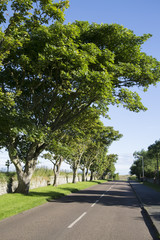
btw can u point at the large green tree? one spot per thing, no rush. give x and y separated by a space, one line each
145 162
55 71
154 155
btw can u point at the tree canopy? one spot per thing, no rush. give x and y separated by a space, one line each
53 72
150 162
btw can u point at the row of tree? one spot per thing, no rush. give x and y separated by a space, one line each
146 163
55 75
84 145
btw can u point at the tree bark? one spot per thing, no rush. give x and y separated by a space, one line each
24 177
24 174
91 177
74 174
86 174
56 169
83 174
23 184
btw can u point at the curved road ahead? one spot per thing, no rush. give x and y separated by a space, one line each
107 211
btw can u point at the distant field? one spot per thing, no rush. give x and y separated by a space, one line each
124 177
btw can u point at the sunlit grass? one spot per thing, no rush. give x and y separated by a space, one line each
14 203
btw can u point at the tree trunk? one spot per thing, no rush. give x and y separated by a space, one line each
24 174
55 179
76 166
74 174
56 169
23 185
24 179
91 177
83 174
86 174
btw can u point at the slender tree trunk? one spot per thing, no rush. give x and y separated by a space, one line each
86 174
83 174
55 179
91 177
75 167
57 169
74 174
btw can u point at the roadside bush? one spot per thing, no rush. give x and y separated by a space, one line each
42 172
3 177
134 178
6 176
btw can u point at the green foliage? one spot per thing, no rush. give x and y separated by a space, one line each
154 149
65 173
133 178
42 172
5 176
51 73
116 176
151 162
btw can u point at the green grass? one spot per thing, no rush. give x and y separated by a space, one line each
14 203
42 172
153 186
4 176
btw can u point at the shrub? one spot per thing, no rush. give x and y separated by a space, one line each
43 172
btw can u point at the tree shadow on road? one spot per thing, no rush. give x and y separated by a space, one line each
150 226
48 195
123 196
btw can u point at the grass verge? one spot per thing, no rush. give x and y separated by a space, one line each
14 203
153 186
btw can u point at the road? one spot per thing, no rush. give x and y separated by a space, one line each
107 211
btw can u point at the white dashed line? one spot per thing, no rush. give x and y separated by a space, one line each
101 196
95 203
78 219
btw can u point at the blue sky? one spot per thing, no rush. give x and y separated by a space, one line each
139 129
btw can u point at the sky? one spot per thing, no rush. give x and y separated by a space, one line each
139 129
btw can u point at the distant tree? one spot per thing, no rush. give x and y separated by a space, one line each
136 168
56 158
149 162
154 153
110 166
8 163
116 176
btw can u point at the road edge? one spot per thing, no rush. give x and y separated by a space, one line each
144 209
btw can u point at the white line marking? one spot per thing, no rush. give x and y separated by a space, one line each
95 203
78 219
101 196
109 189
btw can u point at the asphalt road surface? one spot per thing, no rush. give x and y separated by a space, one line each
107 211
